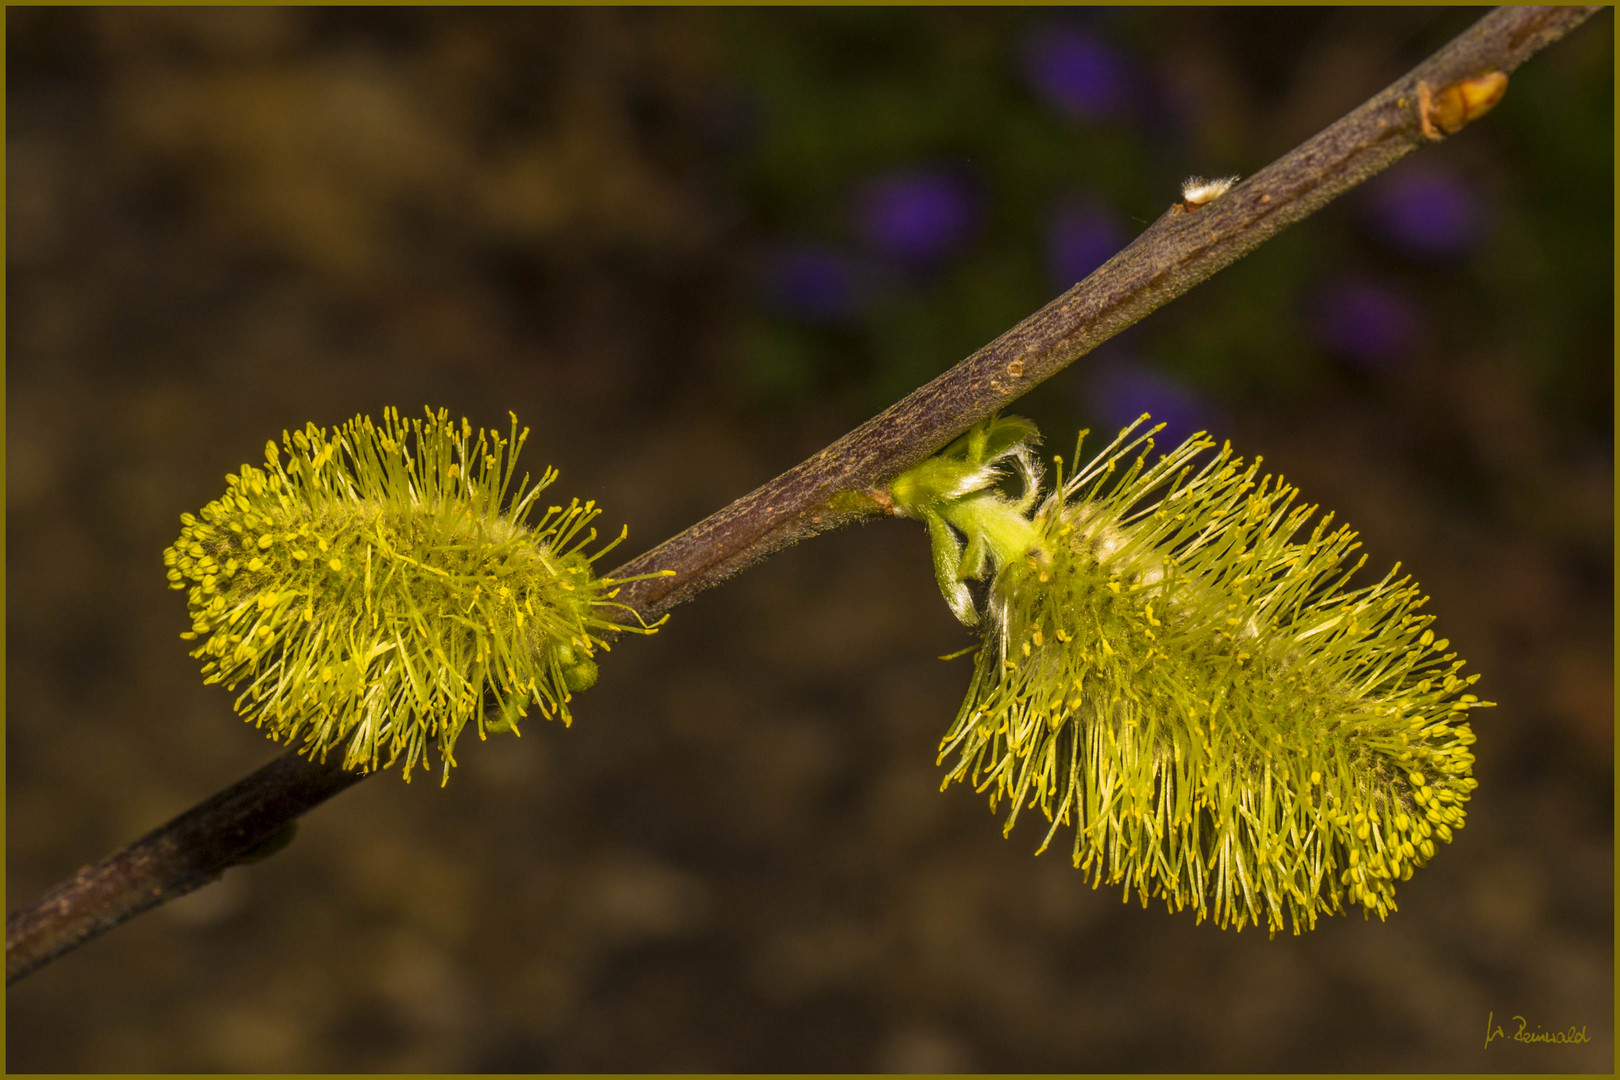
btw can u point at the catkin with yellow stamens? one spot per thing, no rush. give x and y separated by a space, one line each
1174 666
374 590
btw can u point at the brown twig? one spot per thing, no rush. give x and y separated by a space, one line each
844 482
1176 252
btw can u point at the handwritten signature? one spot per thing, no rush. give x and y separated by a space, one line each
1524 1034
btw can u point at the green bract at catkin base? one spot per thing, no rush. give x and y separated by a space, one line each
1171 667
374 595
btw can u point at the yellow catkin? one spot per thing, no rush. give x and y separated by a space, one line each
1239 733
435 603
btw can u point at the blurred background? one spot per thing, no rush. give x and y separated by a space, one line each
690 247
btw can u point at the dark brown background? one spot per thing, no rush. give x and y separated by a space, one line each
223 223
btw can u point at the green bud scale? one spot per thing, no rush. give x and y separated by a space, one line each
1173 664
376 590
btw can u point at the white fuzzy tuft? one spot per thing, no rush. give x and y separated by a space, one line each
1196 191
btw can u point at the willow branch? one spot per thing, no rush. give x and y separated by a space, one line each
846 481
1176 252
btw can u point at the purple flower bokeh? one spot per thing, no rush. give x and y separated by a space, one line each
811 284
1426 213
917 215
1080 237
1365 323
1076 73
1122 392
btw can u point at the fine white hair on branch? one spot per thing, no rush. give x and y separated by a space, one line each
1196 191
